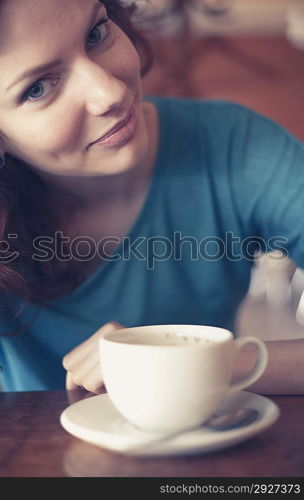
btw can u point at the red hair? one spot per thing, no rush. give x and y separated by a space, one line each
26 208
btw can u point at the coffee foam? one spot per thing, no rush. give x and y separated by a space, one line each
163 338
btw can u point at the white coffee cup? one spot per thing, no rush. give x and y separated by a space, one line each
170 378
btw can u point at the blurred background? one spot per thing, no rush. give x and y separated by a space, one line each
250 52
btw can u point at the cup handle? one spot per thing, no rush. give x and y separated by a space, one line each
259 367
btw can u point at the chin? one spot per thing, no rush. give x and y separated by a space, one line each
127 158
114 168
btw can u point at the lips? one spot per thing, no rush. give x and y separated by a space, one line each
122 123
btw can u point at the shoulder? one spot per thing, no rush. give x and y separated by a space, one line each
216 113
206 109
226 135
214 121
197 119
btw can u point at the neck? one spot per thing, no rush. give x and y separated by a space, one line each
91 192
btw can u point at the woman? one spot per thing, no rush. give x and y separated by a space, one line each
119 210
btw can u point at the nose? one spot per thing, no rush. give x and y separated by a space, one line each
102 91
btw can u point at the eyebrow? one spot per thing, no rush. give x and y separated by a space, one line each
47 66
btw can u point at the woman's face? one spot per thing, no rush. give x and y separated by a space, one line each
51 117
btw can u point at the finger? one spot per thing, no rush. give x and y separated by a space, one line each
90 380
80 373
77 395
93 380
74 357
69 382
80 364
107 328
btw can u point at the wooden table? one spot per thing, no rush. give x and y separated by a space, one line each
33 444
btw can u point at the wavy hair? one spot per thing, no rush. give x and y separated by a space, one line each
26 207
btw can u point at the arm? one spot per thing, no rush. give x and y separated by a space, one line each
285 370
267 185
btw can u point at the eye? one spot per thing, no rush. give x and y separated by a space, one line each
100 31
39 90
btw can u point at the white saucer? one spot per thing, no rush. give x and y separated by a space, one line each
97 421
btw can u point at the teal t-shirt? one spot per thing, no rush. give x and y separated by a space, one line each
227 182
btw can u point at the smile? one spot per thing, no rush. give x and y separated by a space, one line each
122 133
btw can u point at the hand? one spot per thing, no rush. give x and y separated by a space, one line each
82 363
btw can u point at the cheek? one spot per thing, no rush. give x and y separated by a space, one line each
64 135
123 60
41 136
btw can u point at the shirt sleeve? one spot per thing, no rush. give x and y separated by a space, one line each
266 175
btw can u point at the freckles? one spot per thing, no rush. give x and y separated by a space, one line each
130 68
128 59
45 141
62 133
